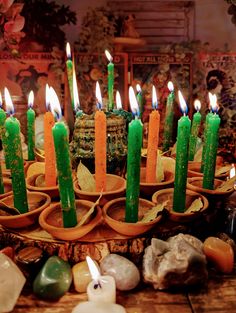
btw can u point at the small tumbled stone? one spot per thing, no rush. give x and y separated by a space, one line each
9 251
125 272
219 253
81 276
54 279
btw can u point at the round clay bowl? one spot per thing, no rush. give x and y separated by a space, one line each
194 170
7 172
53 191
7 188
148 189
195 184
114 216
115 188
167 194
51 220
26 219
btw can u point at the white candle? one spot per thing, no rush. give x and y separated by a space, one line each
101 288
98 307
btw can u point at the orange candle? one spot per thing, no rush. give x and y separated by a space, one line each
100 144
50 161
153 138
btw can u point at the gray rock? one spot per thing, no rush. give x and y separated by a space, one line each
125 272
177 262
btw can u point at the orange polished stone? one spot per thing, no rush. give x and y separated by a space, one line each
219 253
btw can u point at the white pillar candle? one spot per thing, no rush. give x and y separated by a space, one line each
98 307
101 288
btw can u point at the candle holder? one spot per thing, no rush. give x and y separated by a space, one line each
114 216
52 191
7 172
115 188
194 170
148 189
51 220
167 194
7 188
37 201
195 184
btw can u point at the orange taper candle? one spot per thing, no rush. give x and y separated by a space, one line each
153 138
100 144
50 161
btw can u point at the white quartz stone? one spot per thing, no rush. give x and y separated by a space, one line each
11 283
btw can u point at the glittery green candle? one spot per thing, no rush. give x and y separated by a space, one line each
194 130
211 151
31 128
135 136
140 99
181 168
206 129
110 80
169 118
64 170
3 134
12 127
70 69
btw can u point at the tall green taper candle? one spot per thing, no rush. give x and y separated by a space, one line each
110 80
169 118
135 136
140 99
12 127
70 69
3 117
64 170
211 151
181 167
31 127
194 130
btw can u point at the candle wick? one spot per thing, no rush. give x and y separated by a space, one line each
97 285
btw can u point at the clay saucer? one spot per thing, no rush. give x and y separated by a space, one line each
37 201
148 189
52 191
7 172
115 188
114 216
167 194
194 170
51 220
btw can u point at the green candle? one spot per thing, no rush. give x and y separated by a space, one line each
31 127
140 99
211 151
64 170
169 118
181 167
12 127
194 130
3 134
110 80
135 134
70 69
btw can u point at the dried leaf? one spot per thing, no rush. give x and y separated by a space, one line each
227 185
151 214
222 170
168 164
89 213
36 168
159 168
195 206
86 180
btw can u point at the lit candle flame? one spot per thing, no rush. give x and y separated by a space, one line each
75 93
0 100
8 101
98 96
93 269
47 97
154 97
68 51
108 55
55 104
183 105
170 86
133 102
118 101
232 171
138 88
197 105
213 103
31 99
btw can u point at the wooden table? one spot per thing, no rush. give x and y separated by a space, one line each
219 295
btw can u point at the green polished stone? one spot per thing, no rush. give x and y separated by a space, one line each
54 279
